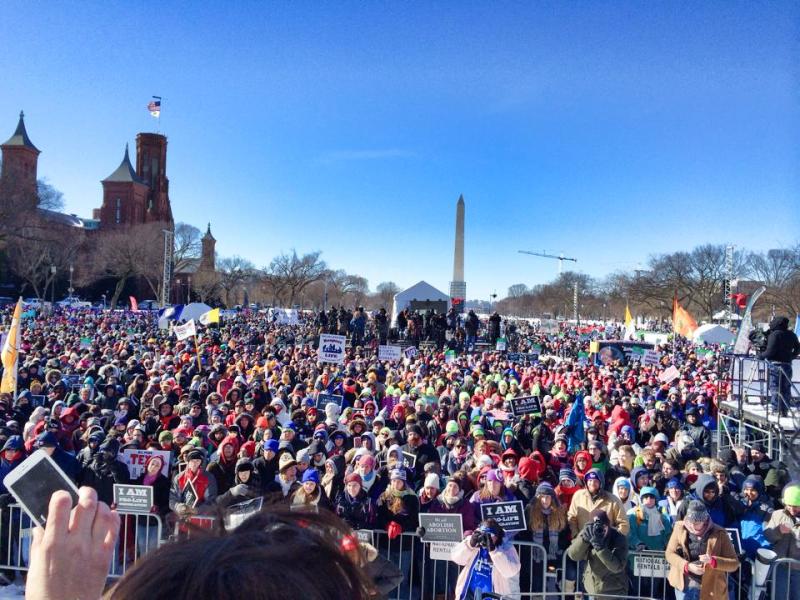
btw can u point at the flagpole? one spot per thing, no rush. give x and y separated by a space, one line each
197 352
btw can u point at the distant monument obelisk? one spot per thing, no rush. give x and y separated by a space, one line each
458 287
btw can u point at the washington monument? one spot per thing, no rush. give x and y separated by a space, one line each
458 287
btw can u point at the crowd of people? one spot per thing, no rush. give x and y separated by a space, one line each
617 458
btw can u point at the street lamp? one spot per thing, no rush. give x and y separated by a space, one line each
71 289
188 289
53 290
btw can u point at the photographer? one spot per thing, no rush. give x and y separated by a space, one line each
781 349
490 565
605 551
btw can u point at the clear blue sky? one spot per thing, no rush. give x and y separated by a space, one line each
607 131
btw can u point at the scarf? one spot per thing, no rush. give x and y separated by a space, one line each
150 479
451 501
367 481
654 524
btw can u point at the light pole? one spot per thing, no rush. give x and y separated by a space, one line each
71 289
103 296
188 289
53 289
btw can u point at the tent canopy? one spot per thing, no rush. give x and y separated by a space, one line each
419 293
712 334
194 310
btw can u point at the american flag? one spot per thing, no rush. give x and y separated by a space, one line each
155 106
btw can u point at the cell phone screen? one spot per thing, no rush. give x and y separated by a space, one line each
34 488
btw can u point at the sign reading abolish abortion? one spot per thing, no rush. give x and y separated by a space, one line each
441 527
526 405
509 515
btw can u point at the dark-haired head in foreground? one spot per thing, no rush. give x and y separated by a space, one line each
274 555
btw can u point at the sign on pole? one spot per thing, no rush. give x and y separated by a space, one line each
185 331
331 348
133 498
410 352
509 515
390 352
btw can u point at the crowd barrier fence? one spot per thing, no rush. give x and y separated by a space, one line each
784 579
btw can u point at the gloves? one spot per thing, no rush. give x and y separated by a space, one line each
394 530
641 547
421 532
598 541
476 539
587 533
183 510
489 542
5 500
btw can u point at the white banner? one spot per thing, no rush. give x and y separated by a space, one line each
331 348
650 566
441 550
389 352
185 331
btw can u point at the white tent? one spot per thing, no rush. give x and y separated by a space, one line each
419 292
194 310
712 334
723 316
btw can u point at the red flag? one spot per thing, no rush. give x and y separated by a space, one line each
134 303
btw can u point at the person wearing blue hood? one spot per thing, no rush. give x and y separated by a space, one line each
87 453
725 510
757 512
69 464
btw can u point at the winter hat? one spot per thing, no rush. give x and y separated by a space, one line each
311 475
753 481
791 495
696 511
661 437
244 464
432 480
14 443
628 432
353 477
46 439
194 454
494 475
649 491
451 428
286 461
595 474
567 474
111 445
271 444
545 489
397 474
303 456
675 482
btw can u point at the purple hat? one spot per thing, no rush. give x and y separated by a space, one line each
494 475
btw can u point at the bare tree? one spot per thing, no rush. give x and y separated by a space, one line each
779 271
385 293
233 273
187 245
292 274
128 254
517 290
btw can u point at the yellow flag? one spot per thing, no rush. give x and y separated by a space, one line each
628 317
212 316
10 353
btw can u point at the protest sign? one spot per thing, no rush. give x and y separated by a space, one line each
410 460
669 375
526 405
440 527
331 348
410 352
389 352
651 358
450 357
38 400
133 498
583 358
736 539
324 399
501 344
365 536
509 515
622 351
441 551
650 566
185 331
135 460
237 514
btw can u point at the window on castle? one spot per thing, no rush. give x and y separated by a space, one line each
118 212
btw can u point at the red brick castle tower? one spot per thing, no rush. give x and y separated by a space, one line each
20 164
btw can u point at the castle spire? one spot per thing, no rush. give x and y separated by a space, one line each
20 137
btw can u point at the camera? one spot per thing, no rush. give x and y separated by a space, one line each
598 529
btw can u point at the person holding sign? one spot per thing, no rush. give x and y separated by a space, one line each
194 490
490 563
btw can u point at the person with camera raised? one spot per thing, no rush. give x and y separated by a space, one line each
490 562
605 551
781 349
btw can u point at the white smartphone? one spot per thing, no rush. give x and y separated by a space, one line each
34 481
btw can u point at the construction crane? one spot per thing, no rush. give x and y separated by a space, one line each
560 258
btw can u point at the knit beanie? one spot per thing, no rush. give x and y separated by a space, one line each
432 480
696 511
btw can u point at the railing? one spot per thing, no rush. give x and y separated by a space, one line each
784 579
555 596
139 534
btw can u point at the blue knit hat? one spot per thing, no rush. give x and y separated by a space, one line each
311 475
271 444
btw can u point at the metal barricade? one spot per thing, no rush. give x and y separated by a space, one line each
139 534
555 596
784 579
404 552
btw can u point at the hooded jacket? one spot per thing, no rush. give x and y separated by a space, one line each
725 510
505 567
782 344
756 515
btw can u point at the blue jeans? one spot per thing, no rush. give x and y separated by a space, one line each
692 593
780 386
